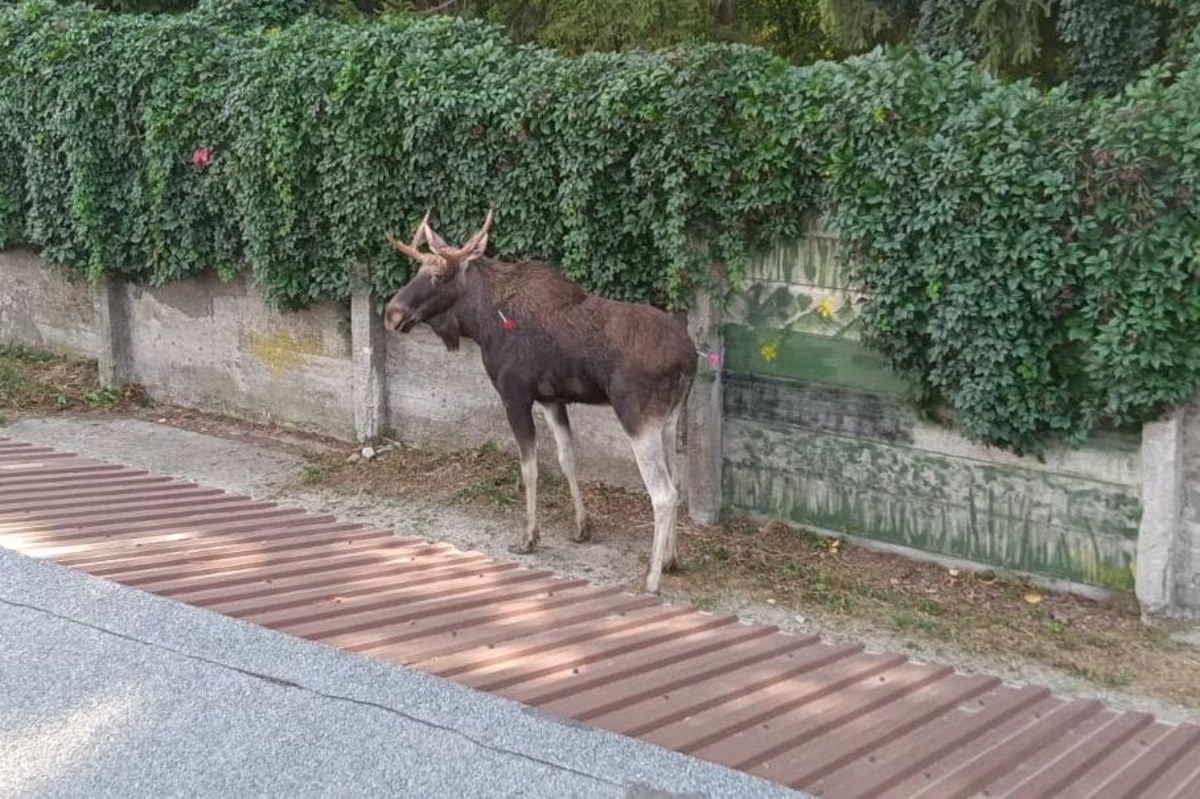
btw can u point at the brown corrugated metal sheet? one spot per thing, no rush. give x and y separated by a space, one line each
831 720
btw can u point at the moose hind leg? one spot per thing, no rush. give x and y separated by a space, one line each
520 419
670 441
670 434
560 423
650 452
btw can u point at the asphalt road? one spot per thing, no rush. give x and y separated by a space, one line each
109 691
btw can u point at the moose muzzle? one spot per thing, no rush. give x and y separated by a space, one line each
398 317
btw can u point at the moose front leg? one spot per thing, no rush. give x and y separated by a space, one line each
520 419
560 423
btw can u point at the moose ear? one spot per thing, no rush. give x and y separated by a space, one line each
435 241
478 248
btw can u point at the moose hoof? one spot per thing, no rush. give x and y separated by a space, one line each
673 565
583 532
522 547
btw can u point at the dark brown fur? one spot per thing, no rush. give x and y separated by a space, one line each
544 340
567 346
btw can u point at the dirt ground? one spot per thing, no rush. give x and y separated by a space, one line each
764 572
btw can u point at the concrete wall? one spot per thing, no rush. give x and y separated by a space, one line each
818 430
40 307
215 346
1186 577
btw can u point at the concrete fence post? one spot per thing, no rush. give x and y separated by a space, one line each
704 415
112 332
1160 532
368 346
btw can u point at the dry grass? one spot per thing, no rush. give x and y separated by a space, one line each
33 381
486 478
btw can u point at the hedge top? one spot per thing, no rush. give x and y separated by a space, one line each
1032 257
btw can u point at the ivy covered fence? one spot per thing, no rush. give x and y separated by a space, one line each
1033 257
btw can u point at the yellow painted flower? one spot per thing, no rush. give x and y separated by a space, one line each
825 307
769 351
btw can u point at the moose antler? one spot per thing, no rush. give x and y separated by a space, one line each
481 234
456 253
419 237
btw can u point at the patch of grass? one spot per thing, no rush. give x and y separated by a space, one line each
502 485
931 607
831 597
36 381
912 623
1107 677
486 475
707 552
498 490
314 475
871 592
98 399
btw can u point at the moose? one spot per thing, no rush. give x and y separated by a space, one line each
546 341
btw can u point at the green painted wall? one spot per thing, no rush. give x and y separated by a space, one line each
818 431
1009 517
806 356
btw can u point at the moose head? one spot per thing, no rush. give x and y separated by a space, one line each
438 282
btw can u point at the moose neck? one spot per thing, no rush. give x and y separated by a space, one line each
476 308
526 294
